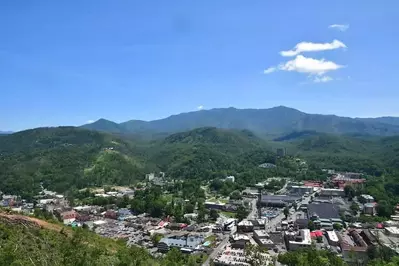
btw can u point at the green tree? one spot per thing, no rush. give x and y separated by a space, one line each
241 213
355 208
155 238
213 214
337 226
189 208
384 209
311 226
286 212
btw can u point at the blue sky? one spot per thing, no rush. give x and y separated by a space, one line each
68 62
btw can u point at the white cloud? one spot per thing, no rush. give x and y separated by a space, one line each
90 121
269 70
322 79
340 27
308 65
200 107
313 47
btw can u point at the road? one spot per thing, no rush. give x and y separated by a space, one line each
271 225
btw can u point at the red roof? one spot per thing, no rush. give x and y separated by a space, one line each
380 226
317 233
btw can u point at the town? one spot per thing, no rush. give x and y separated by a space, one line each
276 216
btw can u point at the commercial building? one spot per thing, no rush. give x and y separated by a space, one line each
332 192
245 226
298 239
263 239
180 242
317 211
278 200
354 248
301 190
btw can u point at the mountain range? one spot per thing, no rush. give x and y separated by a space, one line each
272 122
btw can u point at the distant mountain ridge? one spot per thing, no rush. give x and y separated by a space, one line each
5 132
273 121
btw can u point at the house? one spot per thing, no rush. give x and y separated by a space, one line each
68 216
366 198
230 178
369 208
111 214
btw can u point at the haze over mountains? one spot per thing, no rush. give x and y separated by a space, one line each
273 121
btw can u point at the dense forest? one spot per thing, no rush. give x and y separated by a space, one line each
65 158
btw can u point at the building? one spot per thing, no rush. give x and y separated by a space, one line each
278 200
245 226
332 238
263 239
239 241
392 231
230 178
180 242
332 192
267 165
354 248
215 205
301 223
237 257
318 211
301 190
298 239
369 208
366 198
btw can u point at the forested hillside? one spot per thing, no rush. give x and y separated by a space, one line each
66 157
26 243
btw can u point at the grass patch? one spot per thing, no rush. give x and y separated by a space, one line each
228 214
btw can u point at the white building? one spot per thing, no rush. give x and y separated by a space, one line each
367 198
298 239
230 178
332 238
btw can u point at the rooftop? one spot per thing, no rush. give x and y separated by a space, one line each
323 210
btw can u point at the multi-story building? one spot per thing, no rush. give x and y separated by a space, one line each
188 243
298 239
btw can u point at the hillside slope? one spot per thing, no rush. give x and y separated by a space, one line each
206 153
273 121
66 157
29 241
